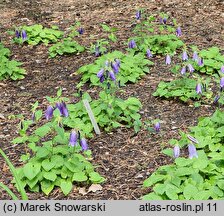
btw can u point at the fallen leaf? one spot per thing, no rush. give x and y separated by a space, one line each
82 191
94 188
2 116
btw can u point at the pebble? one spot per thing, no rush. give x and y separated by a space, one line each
2 116
22 87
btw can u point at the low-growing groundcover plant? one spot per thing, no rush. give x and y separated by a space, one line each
109 110
68 45
199 177
207 61
54 156
36 34
157 36
132 67
9 68
103 45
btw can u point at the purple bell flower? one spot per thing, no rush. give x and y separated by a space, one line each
157 127
131 44
200 61
183 70
62 108
168 59
222 69
80 31
192 139
198 89
184 56
118 62
115 67
17 33
176 151
164 20
49 112
73 138
190 68
138 15
33 117
216 99
161 20
84 144
149 54
192 151
24 35
97 51
112 75
178 31
65 110
102 78
222 83
195 56
100 73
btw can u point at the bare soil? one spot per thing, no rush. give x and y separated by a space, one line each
123 158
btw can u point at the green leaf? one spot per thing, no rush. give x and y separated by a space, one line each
57 160
50 176
160 188
168 151
31 170
96 177
184 171
152 196
200 163
220 183
42 152
154 178
79 177
190 191
172 191
47 186
4 187
201 195
38 115
183 161
16 176
66 186
42 131
47 164
33 182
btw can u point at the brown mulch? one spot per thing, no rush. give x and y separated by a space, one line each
123 158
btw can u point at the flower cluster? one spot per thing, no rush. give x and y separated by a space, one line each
110 70
61 106
21 34
191 149
75 139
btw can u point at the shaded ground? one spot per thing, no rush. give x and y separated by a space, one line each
123 158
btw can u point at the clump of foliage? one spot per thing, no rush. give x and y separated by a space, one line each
53 158
158 37
9 68
184 89
207 61
197 178
133 66
68 45
102 46
36 34
109 111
